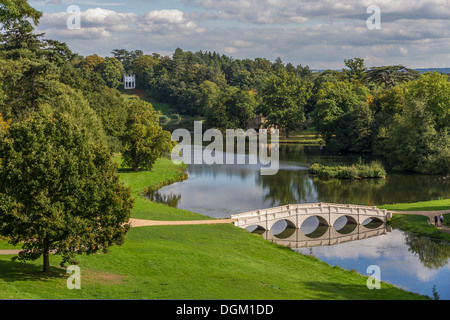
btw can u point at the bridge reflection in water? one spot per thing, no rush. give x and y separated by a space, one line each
324 235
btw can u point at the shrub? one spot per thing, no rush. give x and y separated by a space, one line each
356 171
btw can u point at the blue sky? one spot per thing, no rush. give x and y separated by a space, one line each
320 34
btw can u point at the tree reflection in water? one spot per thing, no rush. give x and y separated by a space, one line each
171 199
432 254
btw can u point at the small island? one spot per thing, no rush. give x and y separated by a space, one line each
355 171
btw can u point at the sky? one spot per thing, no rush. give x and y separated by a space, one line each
319 34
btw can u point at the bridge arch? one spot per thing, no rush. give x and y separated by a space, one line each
295 215
372 223
283 229
256 229
314 226
345 224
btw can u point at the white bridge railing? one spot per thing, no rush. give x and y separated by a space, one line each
296 214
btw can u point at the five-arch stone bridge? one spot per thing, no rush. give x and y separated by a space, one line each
296 214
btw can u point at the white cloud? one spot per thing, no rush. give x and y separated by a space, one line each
320 34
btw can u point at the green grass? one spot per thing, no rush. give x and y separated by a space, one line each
143 95
434 205
164 172
189 262
305 137
194 262
418 224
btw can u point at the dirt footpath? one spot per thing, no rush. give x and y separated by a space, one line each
430 215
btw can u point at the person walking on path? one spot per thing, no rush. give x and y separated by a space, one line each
442 219
436 221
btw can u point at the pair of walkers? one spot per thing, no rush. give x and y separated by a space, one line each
438 219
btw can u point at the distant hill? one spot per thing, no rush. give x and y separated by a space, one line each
440 70
421 70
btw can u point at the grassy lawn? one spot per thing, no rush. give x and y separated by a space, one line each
306 137
189 262
418 223
194 262
139 94
436 205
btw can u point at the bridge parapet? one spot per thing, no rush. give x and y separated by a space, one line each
296 214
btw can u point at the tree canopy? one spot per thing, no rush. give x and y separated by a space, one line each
58 192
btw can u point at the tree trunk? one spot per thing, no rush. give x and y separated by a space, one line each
46 256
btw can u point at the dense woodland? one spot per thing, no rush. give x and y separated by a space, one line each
388 111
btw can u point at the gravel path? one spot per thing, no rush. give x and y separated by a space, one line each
430 215
136 223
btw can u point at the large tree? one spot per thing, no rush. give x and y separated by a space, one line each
284 98
144 141
112 72
58 192
391 75
18 14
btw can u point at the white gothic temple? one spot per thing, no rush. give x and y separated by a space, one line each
129 81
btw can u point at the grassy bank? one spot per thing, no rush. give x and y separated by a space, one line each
164 172
434 205
305 137
164 108
194 262
418 224
190 262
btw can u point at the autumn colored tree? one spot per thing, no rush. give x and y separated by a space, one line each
92 63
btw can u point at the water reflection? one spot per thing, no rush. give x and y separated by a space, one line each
432 254
221 190
323 235
410 262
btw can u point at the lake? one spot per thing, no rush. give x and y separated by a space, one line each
407 261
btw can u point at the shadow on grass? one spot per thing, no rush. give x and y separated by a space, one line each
12 271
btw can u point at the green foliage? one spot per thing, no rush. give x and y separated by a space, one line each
112 72
17 14
58 192
144 141
284 98
126 58
434 90
356 171
356 69
143 67
334 101
92 63
65 100
416 145
391 75
233 109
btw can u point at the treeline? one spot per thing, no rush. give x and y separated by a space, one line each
42 76
388 111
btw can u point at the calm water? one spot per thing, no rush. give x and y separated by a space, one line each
410 262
